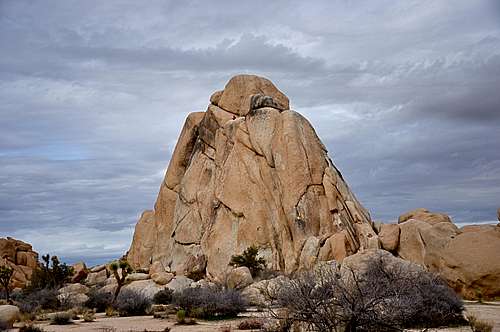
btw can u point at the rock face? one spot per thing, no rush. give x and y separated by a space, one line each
249 171
466 258
20 257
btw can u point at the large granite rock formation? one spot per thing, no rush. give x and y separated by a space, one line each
249 171
467 257
20 257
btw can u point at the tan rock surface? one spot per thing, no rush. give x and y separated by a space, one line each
249 171
239 278
466 258
236 97
424 215
389 236
20 257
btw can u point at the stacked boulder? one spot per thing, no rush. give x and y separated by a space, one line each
20 257
467 257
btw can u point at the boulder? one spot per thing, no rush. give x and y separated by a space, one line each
80 272
498 214
424 215
146 287
179 283
466 258
470 263
20 257
249 172
95 278
389 236
136 277
237 95
360 261
9 314
239 277
74 289
162 278
336 247
258 293
98 268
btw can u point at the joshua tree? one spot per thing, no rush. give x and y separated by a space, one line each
120 280
5 276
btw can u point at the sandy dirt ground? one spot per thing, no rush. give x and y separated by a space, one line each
489 312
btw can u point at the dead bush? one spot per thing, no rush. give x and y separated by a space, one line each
378 298
209 302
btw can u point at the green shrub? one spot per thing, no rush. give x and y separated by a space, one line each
181 316
249 259
132 303
61 318
209 302
163 297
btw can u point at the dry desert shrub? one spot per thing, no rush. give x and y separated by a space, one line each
381 297
478 325
251 324
61 318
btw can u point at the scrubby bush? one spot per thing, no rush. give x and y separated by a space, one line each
478 325
209 302
5 276
132 303
249 259
31 328
98 301
88 316
163 297
35 300
61 318
181 316
378 298
251 324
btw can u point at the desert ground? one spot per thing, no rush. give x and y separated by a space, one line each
489 312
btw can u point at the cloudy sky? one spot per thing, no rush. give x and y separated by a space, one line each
405 95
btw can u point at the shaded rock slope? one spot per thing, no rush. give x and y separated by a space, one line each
249 171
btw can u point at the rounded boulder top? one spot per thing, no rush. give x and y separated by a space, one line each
238 93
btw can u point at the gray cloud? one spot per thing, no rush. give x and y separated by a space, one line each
95 93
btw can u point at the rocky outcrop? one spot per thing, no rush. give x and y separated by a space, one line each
249 171
466 258
20 257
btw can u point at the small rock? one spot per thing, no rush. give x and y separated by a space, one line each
239 278
179 283
9 314
162 278
137 277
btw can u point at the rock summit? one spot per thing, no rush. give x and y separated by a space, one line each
249 171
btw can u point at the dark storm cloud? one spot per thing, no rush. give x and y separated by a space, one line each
95 93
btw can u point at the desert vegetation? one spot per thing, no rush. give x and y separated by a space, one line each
5 276
381 297
209 302
249 259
